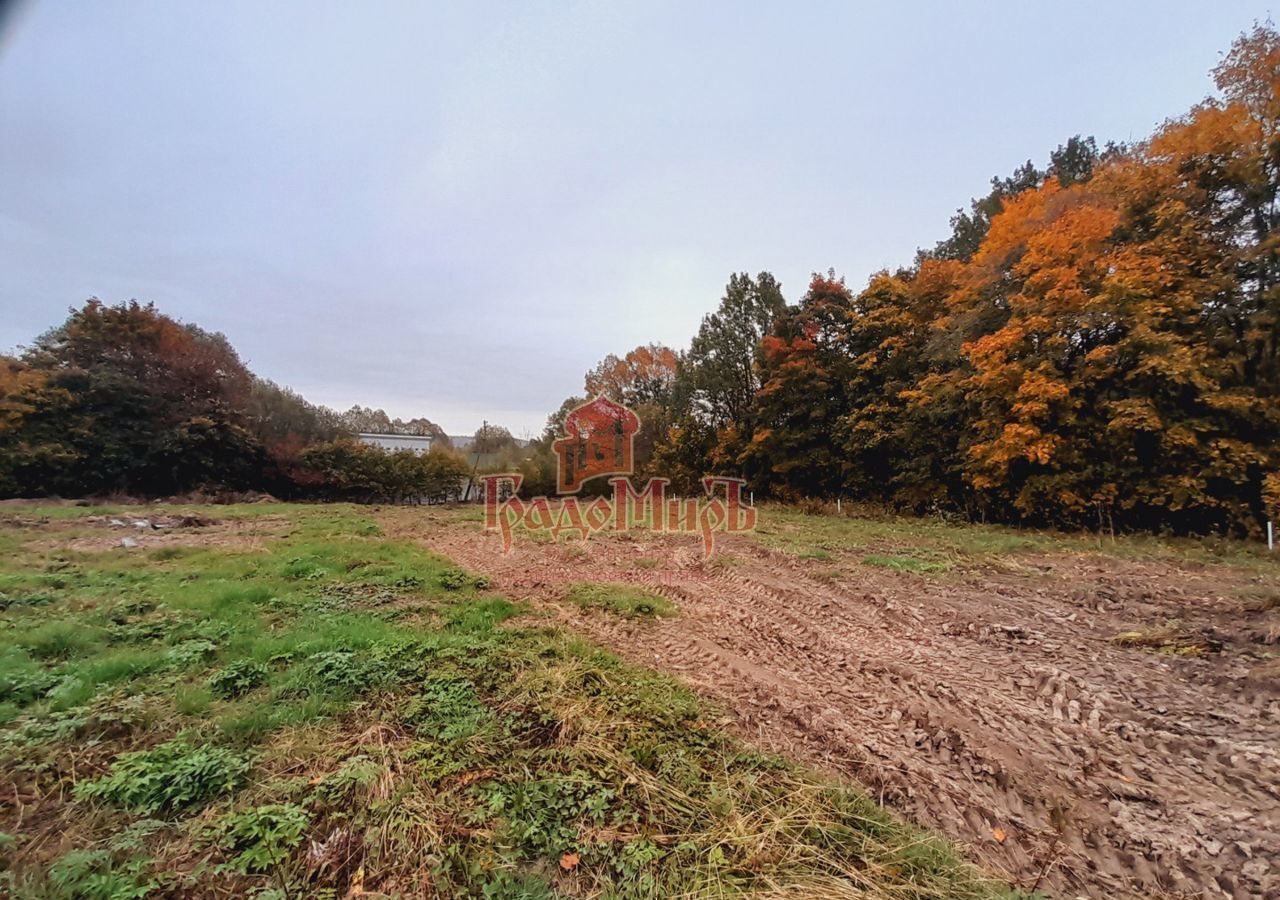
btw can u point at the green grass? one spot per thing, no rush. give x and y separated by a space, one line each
216 721
621 599
935 546
905 564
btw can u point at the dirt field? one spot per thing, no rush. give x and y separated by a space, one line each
993 701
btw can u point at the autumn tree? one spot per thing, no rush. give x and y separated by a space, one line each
804 374
645 376
128 399
364 419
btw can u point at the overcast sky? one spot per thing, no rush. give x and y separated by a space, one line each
455 209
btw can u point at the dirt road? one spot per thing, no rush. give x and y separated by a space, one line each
994 706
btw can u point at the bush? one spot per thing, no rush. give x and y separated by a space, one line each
167 778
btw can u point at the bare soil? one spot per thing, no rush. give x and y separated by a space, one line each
136 533
995 705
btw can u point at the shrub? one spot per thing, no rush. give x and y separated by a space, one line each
167 778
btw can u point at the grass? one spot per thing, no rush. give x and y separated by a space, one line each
326 712
621 599
906 564
935 546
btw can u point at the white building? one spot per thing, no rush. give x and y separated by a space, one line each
418 443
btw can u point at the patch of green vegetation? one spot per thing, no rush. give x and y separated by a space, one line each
819 553
169 777
622 599
237 678
258 839
96 875
240 720
961 545
905 564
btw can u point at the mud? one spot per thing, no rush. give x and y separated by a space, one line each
993 705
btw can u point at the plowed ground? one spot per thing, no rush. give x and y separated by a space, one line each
993 704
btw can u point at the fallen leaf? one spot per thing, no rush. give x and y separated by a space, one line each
570 861
999 834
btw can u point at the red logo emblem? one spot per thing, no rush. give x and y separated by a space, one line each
600 435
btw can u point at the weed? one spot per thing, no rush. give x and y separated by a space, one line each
343 673
92 875
454 579
262 837
168 778
191 700
22 679
26 601
506 885
480 615
164 554
238 678
190 653
819 553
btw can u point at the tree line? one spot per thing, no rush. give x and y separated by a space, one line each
124 399
1096 344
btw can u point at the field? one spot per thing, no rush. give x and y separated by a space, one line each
1083 715
333 701
287 702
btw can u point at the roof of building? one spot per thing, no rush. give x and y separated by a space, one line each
403 437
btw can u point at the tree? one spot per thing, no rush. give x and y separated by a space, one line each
366 420
108 401
717 377
804 371
191 370
492 439
646 375
284 422
969 228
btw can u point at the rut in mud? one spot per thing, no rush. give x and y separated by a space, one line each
996 707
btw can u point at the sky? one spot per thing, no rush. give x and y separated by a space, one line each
454 210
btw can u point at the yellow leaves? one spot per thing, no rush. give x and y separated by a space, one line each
1271 495
1017 441
1134 414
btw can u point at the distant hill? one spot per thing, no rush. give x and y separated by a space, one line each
463 441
